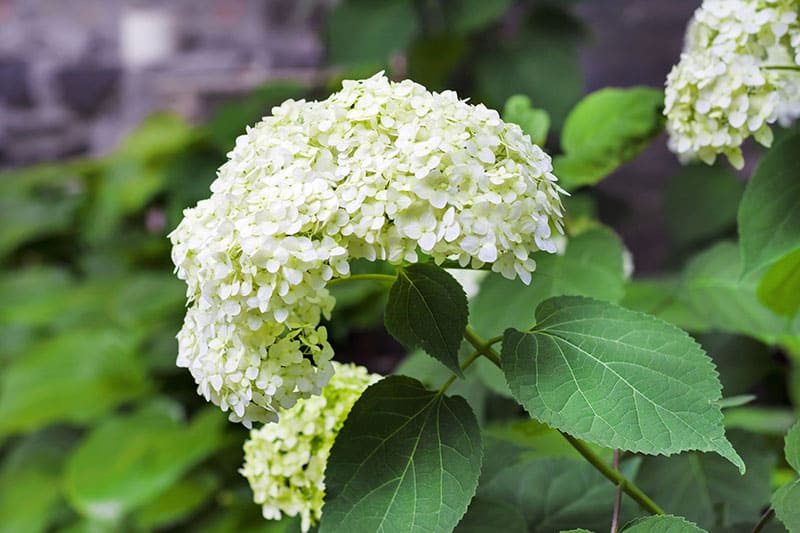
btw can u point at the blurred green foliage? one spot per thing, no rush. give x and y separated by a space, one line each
99 431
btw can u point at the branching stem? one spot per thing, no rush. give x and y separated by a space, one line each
617 478
482 346
617 496
385 278
765 518
468 361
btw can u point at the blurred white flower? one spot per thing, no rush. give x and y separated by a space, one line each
285 462
379 170
722 91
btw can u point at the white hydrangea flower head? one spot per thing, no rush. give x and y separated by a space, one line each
285 462
723 90
380 170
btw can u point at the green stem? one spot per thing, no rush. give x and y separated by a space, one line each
468 361
764 520
617 478
485 348
386 278
782 67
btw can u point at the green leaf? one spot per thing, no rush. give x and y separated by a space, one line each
606 129
406 458
432 373
160 134
465 16
769 221
662 524
792 447
762 420
713 288
128 461
706 489
617 378
556 493
786 502
780 287
534 122
432 59
490 516
688 197
591 266
177 502
362 31
75 377
427 307
660 297
30 477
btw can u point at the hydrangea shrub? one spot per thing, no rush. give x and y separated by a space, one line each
440 189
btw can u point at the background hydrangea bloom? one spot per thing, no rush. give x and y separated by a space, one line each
379 170
719 94
285 462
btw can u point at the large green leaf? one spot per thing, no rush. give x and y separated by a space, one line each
362 31
662 524
713 288
406 459
591 266
618 378
30 476
128 461
556 493
490 516
75 377
427 307
779 289
606 129
769 220
706 489
688 198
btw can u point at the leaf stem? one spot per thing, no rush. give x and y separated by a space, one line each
386 278
782 67
617 496
468 361
483 347
765 518
616 477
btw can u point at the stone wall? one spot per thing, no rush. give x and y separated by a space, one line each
76 74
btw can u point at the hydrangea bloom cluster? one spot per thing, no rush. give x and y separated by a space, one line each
380 170
724 90
285 462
